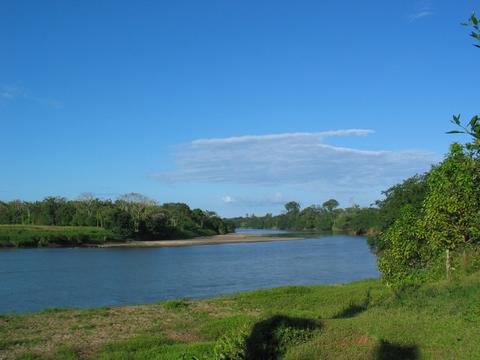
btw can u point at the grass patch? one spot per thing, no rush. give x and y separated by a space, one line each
361 320
176 305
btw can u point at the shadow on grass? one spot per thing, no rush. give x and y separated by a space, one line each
270 338
354 309
390 351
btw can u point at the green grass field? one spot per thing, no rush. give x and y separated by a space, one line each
37 235
361 320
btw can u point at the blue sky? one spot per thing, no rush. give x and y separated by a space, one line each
231 106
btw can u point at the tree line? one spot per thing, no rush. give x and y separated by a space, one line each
327 217
131 216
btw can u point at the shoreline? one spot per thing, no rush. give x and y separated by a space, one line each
232 238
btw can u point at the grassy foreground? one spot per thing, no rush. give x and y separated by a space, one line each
360 320
44 235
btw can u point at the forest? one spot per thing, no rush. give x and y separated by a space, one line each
327 217
56 220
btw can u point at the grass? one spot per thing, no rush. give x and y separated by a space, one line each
39 235
361 320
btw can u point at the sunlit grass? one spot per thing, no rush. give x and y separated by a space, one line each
361 320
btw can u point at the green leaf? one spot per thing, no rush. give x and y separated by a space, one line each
474 19
474 121
456 119
475 35
455 132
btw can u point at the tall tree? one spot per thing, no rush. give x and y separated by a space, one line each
330 205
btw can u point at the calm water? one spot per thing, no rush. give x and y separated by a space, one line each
34 279
260 231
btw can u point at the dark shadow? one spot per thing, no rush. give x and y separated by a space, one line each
354 309
270 338
389 351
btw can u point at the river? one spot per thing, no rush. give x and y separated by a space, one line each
35 279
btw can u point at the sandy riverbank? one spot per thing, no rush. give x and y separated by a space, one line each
207 240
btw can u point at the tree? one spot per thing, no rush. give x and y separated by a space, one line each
330 205
404 253
292 207
452 204
135 204
410 192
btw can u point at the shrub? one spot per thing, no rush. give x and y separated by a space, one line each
233 345
177 305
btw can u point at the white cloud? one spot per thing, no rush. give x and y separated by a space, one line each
294 159
228 199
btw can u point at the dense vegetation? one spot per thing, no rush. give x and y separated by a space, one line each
132 216
319 218
362 320
41 235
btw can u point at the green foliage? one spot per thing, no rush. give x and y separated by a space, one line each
404 254
451 208
233 345
36 235
410 192
325 218
473 22
176 305
292 207
91 220
330 205
422 240
271 338
472 128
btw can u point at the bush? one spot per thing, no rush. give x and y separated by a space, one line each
177 305
233 345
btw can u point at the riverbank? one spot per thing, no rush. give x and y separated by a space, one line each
232 238
53 236
361 320
32 236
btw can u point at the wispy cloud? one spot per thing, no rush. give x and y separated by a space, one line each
257 201
419 15
9 93
421 10
298 135
294 159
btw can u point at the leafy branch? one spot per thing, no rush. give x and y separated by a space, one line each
474 22
473 126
